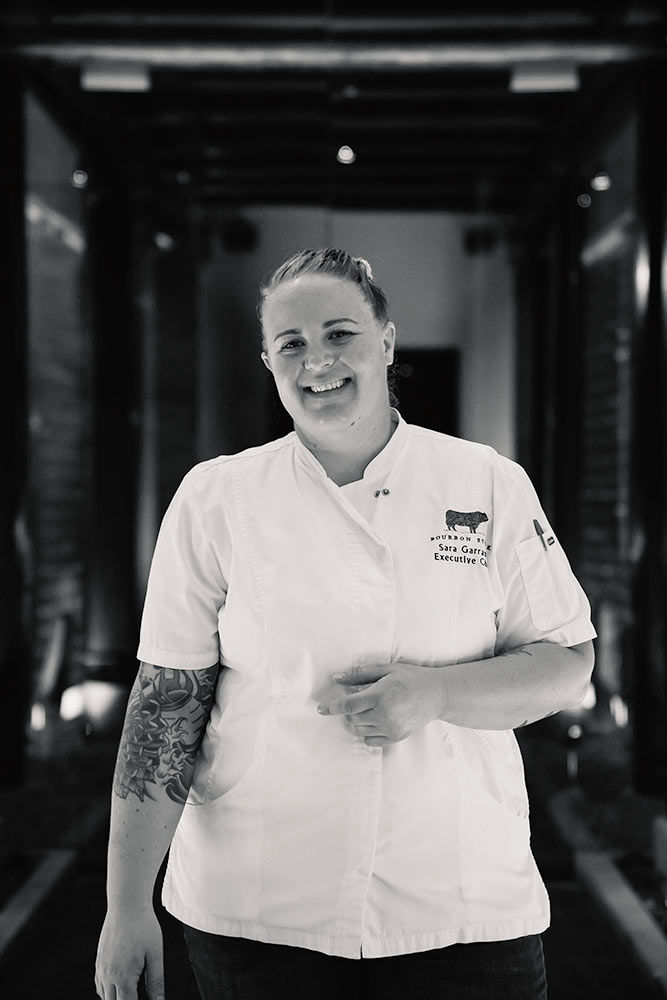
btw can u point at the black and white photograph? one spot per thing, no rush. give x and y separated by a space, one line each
333 520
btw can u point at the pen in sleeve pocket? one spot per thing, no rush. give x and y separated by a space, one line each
540 531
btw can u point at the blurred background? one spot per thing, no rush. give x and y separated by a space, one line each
502 166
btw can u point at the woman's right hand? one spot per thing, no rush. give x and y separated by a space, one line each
130 946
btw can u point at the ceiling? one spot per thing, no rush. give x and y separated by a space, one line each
249 102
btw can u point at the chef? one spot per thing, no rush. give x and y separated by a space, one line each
342 629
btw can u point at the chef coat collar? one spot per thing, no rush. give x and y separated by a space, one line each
379 466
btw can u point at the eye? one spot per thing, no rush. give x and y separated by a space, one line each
289 345
337 334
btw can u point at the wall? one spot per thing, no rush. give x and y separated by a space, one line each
233 382
488 356
59 380
438 296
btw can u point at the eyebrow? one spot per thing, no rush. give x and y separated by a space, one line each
327 323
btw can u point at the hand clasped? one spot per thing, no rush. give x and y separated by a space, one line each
398 699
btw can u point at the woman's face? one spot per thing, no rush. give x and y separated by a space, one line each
327 353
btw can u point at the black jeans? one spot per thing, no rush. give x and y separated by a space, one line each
228 968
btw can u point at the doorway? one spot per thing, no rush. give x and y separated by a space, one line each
426 385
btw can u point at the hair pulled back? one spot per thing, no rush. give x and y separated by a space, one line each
338 264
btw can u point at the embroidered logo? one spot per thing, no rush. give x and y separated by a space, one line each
469 519
457 545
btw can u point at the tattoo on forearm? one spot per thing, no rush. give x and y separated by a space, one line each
519 649
164 726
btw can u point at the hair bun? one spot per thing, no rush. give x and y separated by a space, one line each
362 262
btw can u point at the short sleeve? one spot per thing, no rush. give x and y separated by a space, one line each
542 599
185 591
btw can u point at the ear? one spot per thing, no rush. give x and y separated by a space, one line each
389 341
265 358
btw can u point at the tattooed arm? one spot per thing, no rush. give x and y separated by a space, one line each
166 716
165 721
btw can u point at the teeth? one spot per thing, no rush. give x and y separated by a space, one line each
328 386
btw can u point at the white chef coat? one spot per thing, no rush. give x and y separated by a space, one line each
295 831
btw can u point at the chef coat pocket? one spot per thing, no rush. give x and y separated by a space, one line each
493 824
237 788
548 583
239 756
491 769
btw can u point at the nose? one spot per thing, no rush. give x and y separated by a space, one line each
318 359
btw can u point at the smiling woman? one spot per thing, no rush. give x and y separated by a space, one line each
328 343
375 593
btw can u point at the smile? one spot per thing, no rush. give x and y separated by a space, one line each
328 386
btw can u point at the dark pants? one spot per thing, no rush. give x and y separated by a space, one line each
228 968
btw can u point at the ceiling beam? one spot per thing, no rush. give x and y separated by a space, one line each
335 57
272 121
550 18
129 19
396 198
453 169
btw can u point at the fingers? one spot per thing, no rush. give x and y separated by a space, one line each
125 993
154 976
363 673
120 992
118 988
350 704
360 728
378 741
104 992
99 989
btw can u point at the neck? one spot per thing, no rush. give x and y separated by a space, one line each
345 455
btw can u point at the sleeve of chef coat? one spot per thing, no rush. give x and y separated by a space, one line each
542 600
185 591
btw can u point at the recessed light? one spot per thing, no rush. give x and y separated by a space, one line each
115 76
163 241
601 181
346 155
545 77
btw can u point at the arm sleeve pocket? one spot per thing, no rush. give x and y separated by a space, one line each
552 596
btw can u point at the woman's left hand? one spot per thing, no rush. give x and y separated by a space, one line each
398 700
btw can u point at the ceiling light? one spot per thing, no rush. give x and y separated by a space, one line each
79 178
115 76
346 155
584 201
163 241
544 77
72 703
601 181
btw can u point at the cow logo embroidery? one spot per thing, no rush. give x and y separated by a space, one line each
468 519
461 542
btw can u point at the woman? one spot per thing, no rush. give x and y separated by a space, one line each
345 802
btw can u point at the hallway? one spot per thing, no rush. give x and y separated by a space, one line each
503 169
